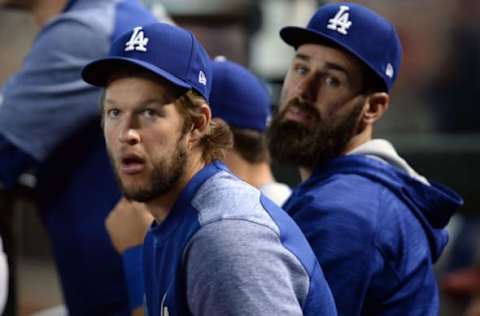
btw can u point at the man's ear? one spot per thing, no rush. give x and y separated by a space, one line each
201 123
375 106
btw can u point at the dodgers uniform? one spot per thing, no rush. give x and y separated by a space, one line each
225 249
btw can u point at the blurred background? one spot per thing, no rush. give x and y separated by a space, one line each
434 118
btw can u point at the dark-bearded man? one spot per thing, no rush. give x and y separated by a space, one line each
375 225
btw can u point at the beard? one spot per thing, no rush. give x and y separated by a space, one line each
295 143
166 172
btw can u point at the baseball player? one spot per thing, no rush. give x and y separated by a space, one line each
242 100
217 245
49 122
375 224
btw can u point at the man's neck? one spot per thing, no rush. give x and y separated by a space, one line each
305 173
357 140
44 11
257 174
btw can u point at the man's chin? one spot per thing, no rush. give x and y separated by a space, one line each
138 196
136 192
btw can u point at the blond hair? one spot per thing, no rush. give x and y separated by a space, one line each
218 138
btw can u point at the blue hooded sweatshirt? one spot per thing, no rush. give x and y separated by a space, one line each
376 228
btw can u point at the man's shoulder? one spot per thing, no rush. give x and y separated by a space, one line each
341 187
341 201
358 200
55 41
358 193
224 196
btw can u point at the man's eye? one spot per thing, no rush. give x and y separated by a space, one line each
300 69
113 113
332 82
149 113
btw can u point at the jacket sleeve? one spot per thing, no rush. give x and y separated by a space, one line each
47 101
236 267
343 242
132 260
13 162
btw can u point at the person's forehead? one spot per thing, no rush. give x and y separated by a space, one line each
138 90
324 54
145 80
126 80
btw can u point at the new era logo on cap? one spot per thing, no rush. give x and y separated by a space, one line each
389 71
201 78
165 50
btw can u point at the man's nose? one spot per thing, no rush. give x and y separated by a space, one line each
309 88
130 133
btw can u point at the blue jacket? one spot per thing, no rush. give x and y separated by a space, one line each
376 232
225 249
50 118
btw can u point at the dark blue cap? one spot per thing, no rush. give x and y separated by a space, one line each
239 97
359 30
165 50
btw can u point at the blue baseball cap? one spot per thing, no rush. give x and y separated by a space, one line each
359 30
163 49
239 97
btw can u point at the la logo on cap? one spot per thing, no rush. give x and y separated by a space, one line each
137 41
341 21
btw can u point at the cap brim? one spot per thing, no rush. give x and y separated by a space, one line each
97 73
297 36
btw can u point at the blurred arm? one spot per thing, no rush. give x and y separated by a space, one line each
127 225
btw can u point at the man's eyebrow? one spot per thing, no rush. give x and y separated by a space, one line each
106 102
328 65
337 67
302 57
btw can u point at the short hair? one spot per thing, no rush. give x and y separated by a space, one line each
251 145
372 82
218 138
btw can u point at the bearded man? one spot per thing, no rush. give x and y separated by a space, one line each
375 224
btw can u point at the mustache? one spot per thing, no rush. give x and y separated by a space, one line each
303 106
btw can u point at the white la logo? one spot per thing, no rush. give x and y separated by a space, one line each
201 78
137 41
341 21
